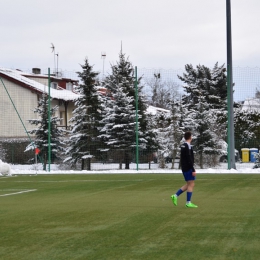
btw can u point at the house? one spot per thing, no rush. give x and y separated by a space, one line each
251 105
154 110
20 93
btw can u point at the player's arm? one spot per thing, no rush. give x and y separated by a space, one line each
192 159
188 156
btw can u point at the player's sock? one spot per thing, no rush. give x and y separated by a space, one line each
189 194
179 192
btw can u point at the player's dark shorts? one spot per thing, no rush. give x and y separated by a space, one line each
188 176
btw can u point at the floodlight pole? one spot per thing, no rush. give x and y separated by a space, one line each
49 120
231 136
136 121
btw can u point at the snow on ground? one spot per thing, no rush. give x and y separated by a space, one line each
99 168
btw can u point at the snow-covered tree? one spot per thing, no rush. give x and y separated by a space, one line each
123 76
167 125
119 125
162 125
85 122
42 131
175 128
205 106
205 140
247 127
211 83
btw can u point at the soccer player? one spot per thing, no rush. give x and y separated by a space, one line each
189 173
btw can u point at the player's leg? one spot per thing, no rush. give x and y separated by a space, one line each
190 187
175 196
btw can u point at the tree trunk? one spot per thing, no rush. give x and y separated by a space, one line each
82 164
89 164
161 160
174 153
127 160
201 160
44 161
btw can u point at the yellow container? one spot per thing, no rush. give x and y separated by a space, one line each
245 154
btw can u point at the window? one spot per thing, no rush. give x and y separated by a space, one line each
54 85
69 86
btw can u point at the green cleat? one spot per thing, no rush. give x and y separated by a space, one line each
191 205
174 200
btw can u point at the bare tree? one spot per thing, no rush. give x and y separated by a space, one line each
161 92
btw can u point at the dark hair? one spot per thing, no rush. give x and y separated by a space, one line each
187 135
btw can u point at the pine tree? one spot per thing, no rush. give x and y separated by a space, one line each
42 132
205 139
119 125
162 126
218 93
209 83
205 105
123 76
85 122
247 127
175 128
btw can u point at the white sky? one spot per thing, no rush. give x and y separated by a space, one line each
155 34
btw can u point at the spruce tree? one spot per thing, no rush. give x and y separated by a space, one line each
123 76
205 139
85 122
42 132
169 132
205 106
119 126
162 126
204 81
175 128
247 127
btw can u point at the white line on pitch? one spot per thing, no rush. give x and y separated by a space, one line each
9 194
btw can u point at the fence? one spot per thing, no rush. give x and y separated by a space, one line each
22 91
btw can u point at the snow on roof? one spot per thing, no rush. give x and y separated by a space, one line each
251 104
54 93
154 110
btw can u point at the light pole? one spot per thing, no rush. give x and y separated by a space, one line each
231 141
103 56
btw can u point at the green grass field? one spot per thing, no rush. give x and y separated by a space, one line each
128 216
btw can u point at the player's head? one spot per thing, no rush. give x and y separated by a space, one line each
187 136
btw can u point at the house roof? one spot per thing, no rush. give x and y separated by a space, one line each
154 110
251 104
19 78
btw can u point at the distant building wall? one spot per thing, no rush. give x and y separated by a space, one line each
25 101
42 80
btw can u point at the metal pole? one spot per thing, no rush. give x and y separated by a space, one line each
57 65
103 67
231 137
49 120
36 163
136 121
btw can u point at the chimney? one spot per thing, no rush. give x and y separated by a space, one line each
36 71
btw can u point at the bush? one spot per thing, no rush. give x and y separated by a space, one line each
12 151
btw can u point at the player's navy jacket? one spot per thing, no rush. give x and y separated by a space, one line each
187 158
